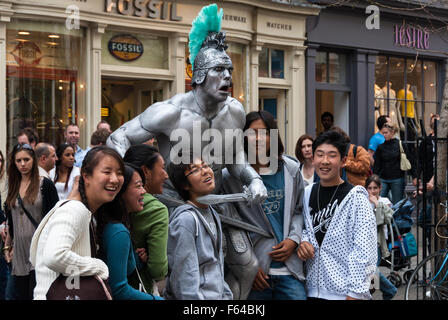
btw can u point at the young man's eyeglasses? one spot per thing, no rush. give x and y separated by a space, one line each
196 170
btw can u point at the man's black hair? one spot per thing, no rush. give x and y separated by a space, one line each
325 115
176 173
381 121
334 138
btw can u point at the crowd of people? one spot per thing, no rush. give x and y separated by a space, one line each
97 212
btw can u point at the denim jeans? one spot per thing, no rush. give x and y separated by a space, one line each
386 287
22 287
4 274
281 288
395 186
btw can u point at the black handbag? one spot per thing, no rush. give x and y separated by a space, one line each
90 287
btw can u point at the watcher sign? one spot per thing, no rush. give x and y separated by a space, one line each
125 47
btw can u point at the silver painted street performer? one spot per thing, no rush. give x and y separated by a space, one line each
208 106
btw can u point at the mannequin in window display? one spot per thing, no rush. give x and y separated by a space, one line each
418 109
390 104
408 109
210 105
379 103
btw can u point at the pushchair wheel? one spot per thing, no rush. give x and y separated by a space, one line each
407 275
395 279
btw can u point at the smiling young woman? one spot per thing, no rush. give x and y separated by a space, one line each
149 226
26 208
63 242
113 235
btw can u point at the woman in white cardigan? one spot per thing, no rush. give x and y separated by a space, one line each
61 243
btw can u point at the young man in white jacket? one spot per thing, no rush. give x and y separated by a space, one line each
339 242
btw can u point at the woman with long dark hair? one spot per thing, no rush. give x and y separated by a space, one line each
304 153
62 242
29 199
115 240
65 171
280 275
149 227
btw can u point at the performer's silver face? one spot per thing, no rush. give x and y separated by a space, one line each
218 82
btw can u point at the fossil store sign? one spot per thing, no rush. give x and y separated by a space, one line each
125 47
153 9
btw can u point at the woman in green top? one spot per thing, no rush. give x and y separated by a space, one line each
149 227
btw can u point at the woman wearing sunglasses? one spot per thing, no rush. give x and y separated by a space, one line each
29 199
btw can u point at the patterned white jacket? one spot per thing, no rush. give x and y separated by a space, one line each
345 262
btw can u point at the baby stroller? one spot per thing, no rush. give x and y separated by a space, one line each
403 246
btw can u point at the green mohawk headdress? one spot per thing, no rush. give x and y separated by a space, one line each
208 20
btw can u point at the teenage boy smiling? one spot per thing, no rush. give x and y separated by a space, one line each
339 239
195 255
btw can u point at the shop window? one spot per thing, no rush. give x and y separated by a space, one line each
45 83
430 84
321 67
155 50
263 61
271 63
335 102
406 91
331 67
238 52
277 64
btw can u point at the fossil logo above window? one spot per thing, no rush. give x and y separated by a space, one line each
125 47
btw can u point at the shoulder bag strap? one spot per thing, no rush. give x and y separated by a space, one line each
93 250
140 280
401 146
33 221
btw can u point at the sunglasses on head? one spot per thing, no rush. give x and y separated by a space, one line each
24 146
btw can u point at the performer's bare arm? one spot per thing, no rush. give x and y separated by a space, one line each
156 119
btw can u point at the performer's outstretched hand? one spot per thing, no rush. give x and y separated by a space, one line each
258 192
